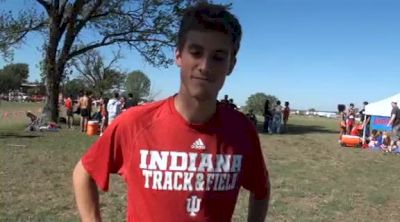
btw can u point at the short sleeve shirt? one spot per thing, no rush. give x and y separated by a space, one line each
177 171
396 112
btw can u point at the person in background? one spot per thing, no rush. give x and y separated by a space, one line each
69 110
129 102
232 104
365 118
104 115
277 118
252 117
90 104
122 101
286 113
394 122
351 118
386 142
267 117
225 100
113 108
342 121
83 105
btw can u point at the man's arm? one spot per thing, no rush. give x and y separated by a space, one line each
258 209
86 194
391 120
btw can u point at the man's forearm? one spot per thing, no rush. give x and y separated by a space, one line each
86 195
257 209
391 120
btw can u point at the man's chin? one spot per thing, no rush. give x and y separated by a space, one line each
204 97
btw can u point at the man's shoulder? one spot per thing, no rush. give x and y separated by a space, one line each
145 113
234 117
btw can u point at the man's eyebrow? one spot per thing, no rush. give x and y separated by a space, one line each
222 51
195 46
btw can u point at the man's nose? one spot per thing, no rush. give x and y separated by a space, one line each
205 65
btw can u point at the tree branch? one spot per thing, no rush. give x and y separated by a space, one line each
71 32
46 5
116 57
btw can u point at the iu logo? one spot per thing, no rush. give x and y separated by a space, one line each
193 205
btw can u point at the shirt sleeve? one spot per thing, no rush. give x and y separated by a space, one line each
106 156
255 177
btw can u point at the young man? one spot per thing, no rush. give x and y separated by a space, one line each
394 122
129 102
84 108
113 108
186 157
286 113
267 117
365 118
69 110
225 100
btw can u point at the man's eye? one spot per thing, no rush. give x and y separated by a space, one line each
195 53
219 58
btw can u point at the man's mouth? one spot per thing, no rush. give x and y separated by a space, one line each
201 78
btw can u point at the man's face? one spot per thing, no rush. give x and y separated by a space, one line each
205 60
394 104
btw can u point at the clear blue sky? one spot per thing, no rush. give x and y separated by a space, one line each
313 53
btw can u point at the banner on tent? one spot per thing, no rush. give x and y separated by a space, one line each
380 123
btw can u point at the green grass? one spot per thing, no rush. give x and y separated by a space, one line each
313 179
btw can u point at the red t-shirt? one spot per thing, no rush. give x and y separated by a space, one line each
177 171
286 112
68 104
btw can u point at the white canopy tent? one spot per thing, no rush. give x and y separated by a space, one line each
382 107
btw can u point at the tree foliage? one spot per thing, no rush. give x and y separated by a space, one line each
74 87
97 75
146 26
12 76
256 102
138 84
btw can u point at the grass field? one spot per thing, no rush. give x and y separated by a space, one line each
313 179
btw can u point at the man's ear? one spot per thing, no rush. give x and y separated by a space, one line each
233 63
178 60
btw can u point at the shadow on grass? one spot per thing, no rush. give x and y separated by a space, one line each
9 135
301 129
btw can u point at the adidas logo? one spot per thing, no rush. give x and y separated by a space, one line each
198 145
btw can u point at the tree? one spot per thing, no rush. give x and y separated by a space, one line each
153 93
146 26
98 76
74 87
138 84
12 76
256 102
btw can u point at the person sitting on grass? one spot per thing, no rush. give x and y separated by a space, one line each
396 147
385 146
35 122
375 139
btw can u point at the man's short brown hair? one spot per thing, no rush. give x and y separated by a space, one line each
210 17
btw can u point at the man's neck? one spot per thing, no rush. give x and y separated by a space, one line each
193 110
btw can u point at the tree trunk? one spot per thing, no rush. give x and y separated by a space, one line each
50 110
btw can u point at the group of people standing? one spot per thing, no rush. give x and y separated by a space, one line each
276 117
228 102
385 141
106 110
